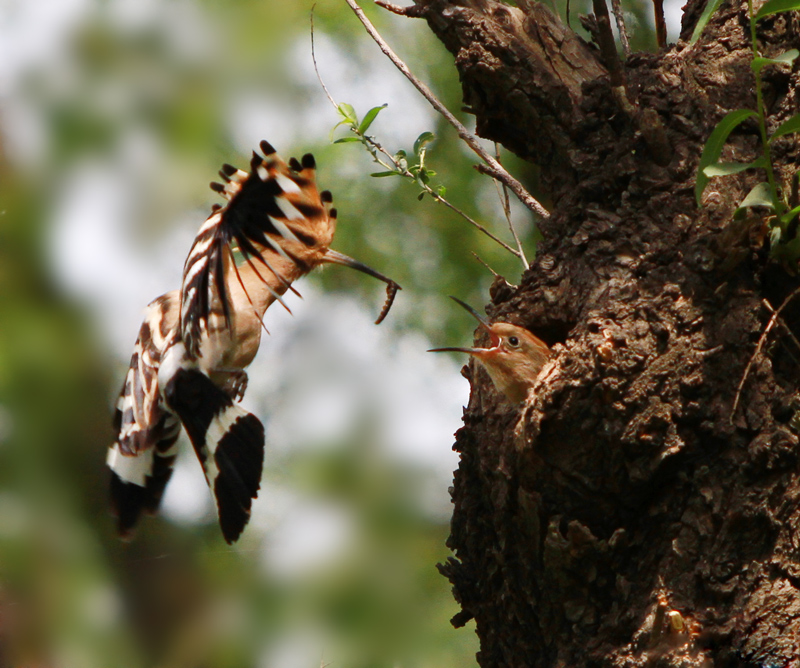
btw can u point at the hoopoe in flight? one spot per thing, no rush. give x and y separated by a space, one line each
513 360
188 363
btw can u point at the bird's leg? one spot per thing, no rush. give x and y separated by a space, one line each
232 382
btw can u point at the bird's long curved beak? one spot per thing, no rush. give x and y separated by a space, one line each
334 257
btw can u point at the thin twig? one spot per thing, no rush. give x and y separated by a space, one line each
619 17
661 24
760 345
413 11
516 187
314 60
782 323
507 210
483 262
394 165
605 40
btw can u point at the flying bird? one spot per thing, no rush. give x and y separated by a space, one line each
513 359
189 360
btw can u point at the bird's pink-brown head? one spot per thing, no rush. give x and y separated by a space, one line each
513 359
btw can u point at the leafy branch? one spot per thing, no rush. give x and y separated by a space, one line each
401 164
784 206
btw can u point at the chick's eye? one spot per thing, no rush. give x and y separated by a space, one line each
513 341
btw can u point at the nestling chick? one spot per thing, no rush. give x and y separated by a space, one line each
514 359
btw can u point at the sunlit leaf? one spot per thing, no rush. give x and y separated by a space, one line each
347 140
759 196
784 59
423 140
370 117
792 125
347 112
714 144
381 174
711 7
790 215
774 6
441 191
728 168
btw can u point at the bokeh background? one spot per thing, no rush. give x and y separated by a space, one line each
114 116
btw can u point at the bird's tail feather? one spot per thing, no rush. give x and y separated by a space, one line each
229 443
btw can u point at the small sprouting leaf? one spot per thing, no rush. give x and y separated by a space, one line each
421 195
729 168
389 173
714 144
774 6
347 140
787 127
760 195
787 58
441 191
347 112
711 7
423 140
400 154
370 117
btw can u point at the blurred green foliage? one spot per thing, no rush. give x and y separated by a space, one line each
174 76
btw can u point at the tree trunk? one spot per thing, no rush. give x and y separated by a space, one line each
640 514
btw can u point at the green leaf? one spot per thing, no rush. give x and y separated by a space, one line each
714 144
347 140
758 196
790 215
787 127
774 6
423 140
441 191
370 117
421 195
729 168
389 173
784 59
711 7
347 112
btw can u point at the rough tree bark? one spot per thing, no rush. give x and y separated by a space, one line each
637 519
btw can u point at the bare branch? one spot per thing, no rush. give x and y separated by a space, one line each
485 264
616 10
515 186
503 194
314 60
760 345
413 11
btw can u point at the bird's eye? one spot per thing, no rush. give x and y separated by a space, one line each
513 341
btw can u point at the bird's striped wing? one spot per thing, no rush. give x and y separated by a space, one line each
142 457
